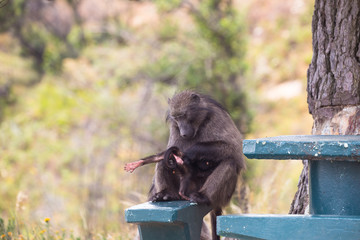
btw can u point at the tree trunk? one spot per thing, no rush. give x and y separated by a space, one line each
333 77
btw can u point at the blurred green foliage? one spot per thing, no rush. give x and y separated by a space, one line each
10 17
38 39
77 103
166 6
209 58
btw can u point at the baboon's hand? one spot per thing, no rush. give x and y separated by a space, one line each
164 196
199 198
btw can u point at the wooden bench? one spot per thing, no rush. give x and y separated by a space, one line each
334 189
334 197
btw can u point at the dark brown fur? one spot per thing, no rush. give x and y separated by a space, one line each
194 118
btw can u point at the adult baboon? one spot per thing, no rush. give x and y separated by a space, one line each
198 119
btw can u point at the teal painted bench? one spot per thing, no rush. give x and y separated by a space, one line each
334 189
177 220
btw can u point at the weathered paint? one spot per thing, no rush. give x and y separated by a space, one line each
284 227
334 167
334 187
334 170
334 197
168 220
310 147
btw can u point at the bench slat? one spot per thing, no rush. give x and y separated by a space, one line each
310 147
284 227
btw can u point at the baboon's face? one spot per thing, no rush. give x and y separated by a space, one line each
184 124
189 121
187 114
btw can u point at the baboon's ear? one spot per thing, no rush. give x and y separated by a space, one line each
195 98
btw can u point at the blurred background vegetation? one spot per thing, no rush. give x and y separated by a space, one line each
84 87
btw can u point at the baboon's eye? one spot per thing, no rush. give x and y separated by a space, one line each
179 117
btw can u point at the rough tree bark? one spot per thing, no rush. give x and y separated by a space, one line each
333 77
